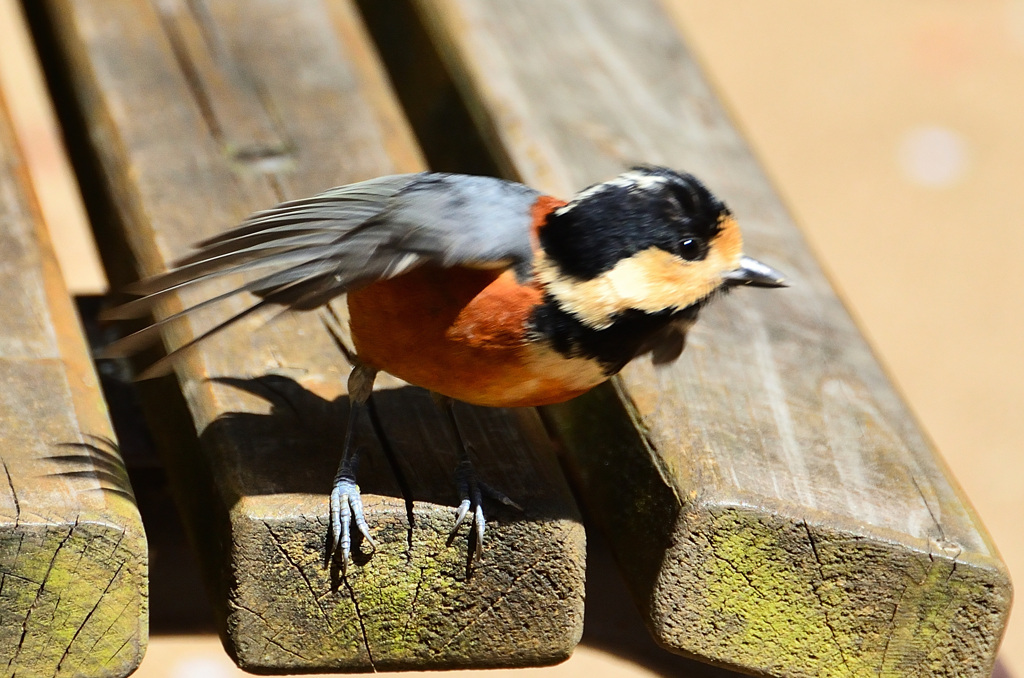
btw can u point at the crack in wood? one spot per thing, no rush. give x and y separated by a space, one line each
359 618
497 601
238 114
892 629
17 555
50 625
302 573
14 495
951 600
741 573
189 69
39 594
286 649
207 26
927 505
119 648
821 602
85 621
21 577
101 636
415 598
269 627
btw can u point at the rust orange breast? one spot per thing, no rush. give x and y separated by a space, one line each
460 332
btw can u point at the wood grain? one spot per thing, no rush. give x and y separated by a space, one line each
201 112
772 501
73 556
35 126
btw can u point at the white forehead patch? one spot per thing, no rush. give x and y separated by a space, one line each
634 180
641 179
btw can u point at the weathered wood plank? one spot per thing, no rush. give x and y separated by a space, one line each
772 500
200 113
34 120
73 556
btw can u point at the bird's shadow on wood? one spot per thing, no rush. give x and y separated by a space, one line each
406 449
95 458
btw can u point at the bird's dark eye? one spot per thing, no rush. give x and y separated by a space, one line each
692 249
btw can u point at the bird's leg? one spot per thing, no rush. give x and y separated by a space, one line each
346 504
471 488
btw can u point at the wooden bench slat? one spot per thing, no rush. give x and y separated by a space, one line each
73 555
297 84
771 499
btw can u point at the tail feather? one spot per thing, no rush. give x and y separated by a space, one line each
271 253
149 335
244 243
164 365
287 262
352 204
281 286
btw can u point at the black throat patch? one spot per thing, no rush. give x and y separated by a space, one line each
612 346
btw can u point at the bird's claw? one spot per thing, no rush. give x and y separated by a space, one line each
498 496
346 506
472 491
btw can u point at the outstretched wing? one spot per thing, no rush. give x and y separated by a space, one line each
303 253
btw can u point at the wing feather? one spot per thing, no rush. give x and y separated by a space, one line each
303 253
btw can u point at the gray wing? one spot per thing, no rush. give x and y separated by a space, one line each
303 253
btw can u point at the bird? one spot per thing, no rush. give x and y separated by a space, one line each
478 289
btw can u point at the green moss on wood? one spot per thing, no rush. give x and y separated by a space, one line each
72 600
777 594
407 604
757 603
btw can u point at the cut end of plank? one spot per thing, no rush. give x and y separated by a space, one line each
414 602
753 587
71 599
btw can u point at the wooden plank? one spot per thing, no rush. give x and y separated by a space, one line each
772 501
200 113
73 556
35 124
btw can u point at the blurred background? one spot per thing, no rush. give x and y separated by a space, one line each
894 133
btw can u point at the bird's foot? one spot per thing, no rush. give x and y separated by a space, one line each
472 490
346 506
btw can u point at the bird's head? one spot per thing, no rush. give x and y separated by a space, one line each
651 240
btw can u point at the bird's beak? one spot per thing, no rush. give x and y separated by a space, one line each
752 272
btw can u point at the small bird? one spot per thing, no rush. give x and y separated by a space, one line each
478 289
